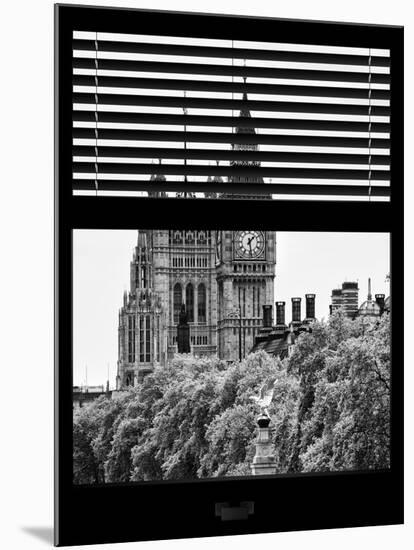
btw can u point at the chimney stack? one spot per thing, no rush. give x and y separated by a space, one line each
380 299
296 316
267 316
310 306
280 313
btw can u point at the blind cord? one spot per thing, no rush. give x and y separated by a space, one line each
185 145
96 113
369 126
232 86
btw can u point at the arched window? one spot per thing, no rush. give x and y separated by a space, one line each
189 302
189 237
201 237
178 298
131 339
201 303
178 237
220 300
144 276
129 379
148 339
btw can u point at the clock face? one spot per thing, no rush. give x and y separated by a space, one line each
249 245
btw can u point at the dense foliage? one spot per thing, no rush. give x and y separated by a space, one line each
195 417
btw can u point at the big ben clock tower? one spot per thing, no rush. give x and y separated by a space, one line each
245 268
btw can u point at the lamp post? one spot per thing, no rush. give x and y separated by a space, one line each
264 462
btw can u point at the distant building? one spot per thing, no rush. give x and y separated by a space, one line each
279 339
223 278
82 395
373 309
346 298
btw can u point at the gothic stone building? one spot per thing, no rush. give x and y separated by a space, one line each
224 278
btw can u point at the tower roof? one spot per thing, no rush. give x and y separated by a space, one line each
157 178
245 113
142 239
370 306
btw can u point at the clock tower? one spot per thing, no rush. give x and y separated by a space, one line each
245 156
245 270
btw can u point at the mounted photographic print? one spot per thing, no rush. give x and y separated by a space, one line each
174 366
229 275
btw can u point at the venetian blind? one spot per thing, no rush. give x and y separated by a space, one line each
174 116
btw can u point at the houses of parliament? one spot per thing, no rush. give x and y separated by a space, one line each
222 277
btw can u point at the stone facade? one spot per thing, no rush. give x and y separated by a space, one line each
244 285
224 278
264 461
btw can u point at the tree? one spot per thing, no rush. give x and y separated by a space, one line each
172 446
195 417
345 424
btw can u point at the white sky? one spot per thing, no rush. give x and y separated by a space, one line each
306 263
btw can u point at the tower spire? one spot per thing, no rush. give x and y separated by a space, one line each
185 193
244 126
245 81
141 276
157 179
141 240
245 111
185 112
369 289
